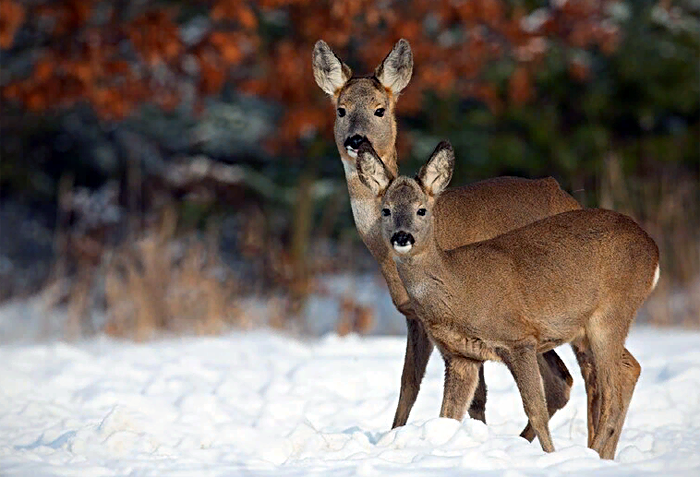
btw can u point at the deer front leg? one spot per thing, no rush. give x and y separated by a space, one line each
455 394
522 363
418 349
461 379
477 409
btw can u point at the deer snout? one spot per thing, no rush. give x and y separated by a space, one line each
402 241
352 144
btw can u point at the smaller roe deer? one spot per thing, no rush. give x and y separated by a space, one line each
578 277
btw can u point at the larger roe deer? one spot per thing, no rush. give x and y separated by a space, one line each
365 109
578 277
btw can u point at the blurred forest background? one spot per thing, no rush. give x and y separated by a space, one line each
169 166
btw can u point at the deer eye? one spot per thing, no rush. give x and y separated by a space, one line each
421 211
379 112
341 112
386 212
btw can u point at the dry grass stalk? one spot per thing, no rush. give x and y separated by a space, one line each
150 287
354 317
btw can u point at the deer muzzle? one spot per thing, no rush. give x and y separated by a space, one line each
402 242
352 144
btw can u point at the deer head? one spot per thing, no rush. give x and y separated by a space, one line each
365 106
407 204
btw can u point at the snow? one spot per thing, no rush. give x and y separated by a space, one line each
257 403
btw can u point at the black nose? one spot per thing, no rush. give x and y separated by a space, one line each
402 239
354 141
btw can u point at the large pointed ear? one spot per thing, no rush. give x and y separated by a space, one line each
437 172
395 71
371 169
330 73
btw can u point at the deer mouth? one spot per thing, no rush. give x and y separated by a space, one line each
403 249
352 152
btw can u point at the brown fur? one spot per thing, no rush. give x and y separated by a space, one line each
578 277
466 214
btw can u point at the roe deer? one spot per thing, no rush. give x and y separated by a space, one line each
366 113
578 277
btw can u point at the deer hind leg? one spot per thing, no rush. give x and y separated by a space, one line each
630 374
461 378
585 360
522 363
606 334
557 386
418 349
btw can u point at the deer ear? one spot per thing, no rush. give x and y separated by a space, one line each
395 71
437 172
371 169
330 73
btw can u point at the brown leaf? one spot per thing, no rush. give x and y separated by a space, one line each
579 70
11 18
43 70
246 17
519 86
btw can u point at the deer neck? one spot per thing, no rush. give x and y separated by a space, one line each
365 205
423 273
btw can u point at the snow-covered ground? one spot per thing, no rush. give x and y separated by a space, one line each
257 403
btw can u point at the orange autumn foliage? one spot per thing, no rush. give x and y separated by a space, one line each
118 63
11 18
156 37
234 10
519 86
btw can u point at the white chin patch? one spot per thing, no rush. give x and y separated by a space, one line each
403 248
351 152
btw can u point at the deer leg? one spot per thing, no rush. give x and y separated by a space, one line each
586 363
461 379
477 409
630 374
609 404
607 349
522 363
557 386
418 349
457 392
